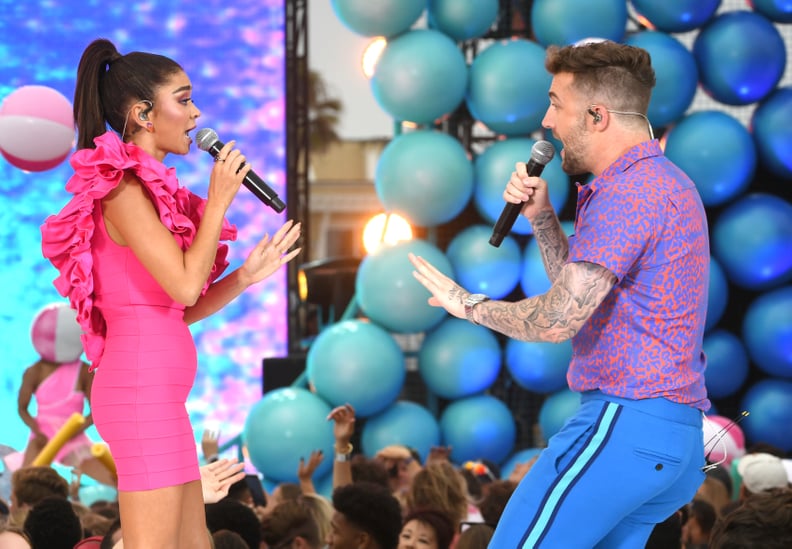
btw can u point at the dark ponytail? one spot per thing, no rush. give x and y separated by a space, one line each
108 85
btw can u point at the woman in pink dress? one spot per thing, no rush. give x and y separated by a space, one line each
140 258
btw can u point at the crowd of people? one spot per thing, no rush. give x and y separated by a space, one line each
393 500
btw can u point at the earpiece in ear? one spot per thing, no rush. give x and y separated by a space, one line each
597 116
143 116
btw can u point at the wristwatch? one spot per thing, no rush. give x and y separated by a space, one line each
470 302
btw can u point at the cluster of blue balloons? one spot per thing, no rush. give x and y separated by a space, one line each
737 57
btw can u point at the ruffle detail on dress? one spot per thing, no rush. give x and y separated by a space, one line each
66 236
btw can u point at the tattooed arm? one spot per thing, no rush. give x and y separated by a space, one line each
554 316
553 243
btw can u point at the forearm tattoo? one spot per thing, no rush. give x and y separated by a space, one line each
556 315
458 294
553 243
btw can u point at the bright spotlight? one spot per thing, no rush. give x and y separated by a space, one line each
385 229
372 54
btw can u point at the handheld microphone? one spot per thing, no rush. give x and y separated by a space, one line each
541 153
208 141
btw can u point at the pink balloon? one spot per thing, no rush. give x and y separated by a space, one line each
36 128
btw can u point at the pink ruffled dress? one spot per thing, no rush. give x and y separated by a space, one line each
135 336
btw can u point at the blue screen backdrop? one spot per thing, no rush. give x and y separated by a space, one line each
233 53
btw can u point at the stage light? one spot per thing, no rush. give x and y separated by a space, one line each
385 229
372 54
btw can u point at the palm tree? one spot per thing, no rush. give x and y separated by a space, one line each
323 114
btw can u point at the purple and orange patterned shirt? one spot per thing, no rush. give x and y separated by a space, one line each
643 220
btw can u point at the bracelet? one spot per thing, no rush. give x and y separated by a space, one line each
344 456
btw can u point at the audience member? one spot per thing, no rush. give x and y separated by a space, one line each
475 536
696 530
229 514
113 535
291 524
763 520
439 486
306 470
13 538
426 529
5 511
722 474
714 492
226 539
218 477
92 523
91 542
365 469
761 472
322 511
366 516
30 485
666 534
343 418
52 524
401 466
491 507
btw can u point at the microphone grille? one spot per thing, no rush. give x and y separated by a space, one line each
205 138
542 152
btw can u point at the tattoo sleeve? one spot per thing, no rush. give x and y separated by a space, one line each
554 316
553 243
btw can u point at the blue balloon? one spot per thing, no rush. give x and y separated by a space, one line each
481 267
521 456
539 366
676 16
284 426
556 410
716 151
463 20
388 293
676 74
405 423
718 295
356 362
478 427
324 485
773 133
770 405
741 57
563 22
727 364
493 168
534 279
420 76
509 101
459 359
752 240
425 176
380 18
779 11
767 331
97 492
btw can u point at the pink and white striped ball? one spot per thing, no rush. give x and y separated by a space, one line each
36 128
56 333
724 441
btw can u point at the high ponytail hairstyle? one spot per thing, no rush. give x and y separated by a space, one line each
109 84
